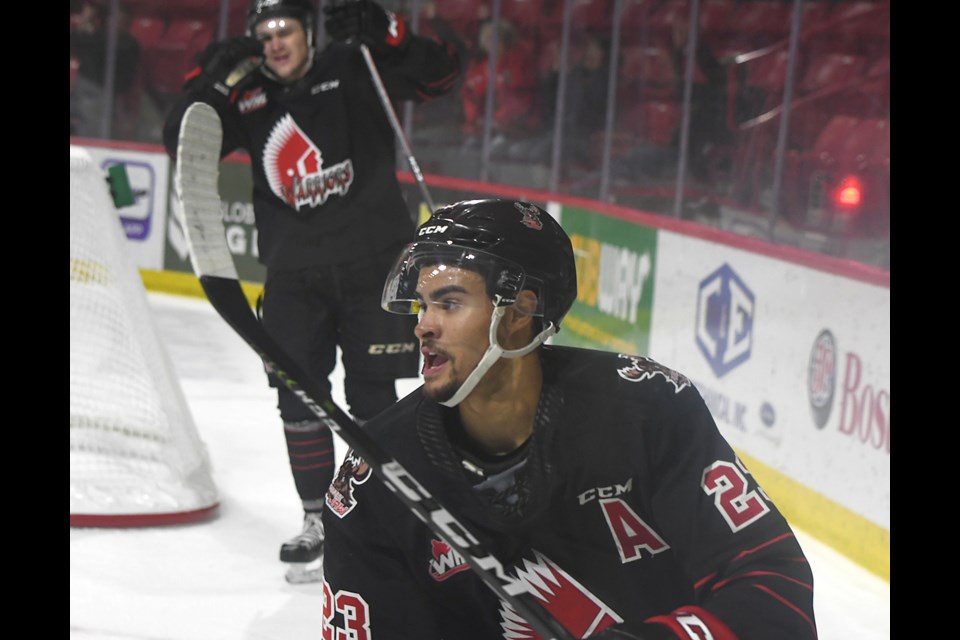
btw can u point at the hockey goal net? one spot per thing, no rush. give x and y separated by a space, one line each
136 458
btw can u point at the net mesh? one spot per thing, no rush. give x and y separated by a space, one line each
135 454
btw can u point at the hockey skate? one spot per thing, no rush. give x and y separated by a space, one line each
304 553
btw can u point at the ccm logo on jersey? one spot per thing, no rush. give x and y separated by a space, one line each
392 349
324 86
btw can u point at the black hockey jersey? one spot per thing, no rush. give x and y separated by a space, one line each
626 506
323 152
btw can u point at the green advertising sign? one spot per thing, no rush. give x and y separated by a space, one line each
615 261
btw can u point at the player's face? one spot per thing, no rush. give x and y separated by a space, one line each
453 328
285 48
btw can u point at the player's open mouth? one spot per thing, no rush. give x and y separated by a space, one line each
432 361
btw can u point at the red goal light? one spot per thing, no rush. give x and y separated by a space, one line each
848 194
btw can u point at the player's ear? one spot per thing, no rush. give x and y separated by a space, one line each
526 304
517 322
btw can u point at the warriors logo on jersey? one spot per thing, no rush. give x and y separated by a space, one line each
352 472
294 168
642 368
581 612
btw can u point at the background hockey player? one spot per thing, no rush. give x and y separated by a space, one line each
329 211
600 478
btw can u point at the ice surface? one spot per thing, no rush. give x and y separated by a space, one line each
223 578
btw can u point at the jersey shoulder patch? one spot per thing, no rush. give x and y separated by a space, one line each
643 369
354 471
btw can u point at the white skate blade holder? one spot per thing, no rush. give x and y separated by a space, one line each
305 572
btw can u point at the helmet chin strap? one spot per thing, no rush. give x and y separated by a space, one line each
495 352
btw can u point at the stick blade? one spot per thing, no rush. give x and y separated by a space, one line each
196 180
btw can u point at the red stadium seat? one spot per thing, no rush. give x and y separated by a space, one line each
766 21
646 73
458 12
768 72
718 19
590 15
147 30
868 145
664 15
637 25
653 122
174 54
830 145
831 69
813 14
524 14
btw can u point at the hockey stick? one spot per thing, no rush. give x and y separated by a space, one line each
196 180
395 123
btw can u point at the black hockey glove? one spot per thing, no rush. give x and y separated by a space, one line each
364 20
224 63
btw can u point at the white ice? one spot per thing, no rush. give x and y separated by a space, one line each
222 578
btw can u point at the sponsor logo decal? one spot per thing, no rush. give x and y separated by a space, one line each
768 416
725 316
864 405
822 377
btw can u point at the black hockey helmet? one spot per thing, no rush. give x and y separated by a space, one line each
515 244
302 10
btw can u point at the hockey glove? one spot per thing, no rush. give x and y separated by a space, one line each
224 63
367 22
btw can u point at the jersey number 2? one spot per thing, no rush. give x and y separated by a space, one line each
728 486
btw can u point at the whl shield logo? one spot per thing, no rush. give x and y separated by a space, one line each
294 168
445 562
725 310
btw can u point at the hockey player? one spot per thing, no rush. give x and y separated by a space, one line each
600 479
329 211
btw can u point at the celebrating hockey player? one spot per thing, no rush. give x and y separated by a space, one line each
598 479
329 211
